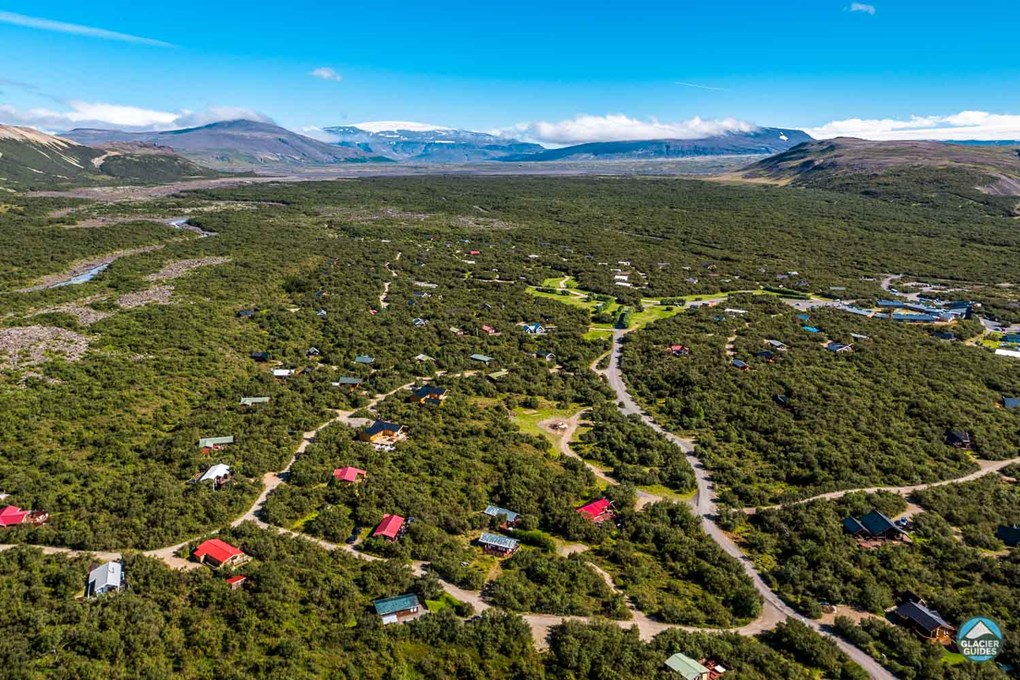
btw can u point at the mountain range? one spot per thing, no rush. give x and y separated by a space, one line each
236 145
762 141
32 159
421 143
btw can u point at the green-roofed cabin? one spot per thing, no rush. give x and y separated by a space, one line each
688 668
251 401
398 609
213 442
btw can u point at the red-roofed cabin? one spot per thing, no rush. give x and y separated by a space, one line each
597 511
679 350
217 553
351 475
12 515
474 252
489 330
235 582
390 527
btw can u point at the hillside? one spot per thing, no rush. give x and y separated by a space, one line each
909 170
416 142
762 141
32 159
237 144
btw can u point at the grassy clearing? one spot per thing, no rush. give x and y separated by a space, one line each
446 601
527 419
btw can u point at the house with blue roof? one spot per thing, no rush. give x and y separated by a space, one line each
398 609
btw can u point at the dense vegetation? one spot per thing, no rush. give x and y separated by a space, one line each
804 552
107 443
878 415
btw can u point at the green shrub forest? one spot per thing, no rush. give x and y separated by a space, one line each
107 386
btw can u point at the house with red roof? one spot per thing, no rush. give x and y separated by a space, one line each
679 350
236 582
489 330
12 515
597 511
349 474
217 553
391 527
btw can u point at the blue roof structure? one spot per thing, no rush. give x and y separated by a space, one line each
811 329
392 605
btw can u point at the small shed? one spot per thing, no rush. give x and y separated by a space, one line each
106 578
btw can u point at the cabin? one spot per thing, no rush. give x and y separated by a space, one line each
534 329
510 518
687 668
252 401
777 345
874 526
597 511
260 357
859 336
215 443
1009 535
926 622
12 515
246 313
390 528
766 356
545 356
283 372
1011 338
422 358
496 376
349 474
313 352
382 432
349 382
741 365
679 350
959 439
428 394
218 474
106 578
420 322
489 330
237 581
321 314
456 331
482 358
781 400
1011 402
216 553
364 359
839 348
811 329
398 609
944 335
497 544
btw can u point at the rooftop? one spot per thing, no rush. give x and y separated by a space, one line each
392 605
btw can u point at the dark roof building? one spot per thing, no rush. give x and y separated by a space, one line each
959 438
926 622
1010 535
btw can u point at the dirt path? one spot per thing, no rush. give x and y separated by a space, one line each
985 467
774 610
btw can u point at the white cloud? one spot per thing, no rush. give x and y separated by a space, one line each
104 115
619 127
964 125
862 7
76 29
326 73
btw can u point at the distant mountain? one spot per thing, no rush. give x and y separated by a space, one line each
908 171
32 159
237 144
763 141
423 143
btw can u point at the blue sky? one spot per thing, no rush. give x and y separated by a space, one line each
554 71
